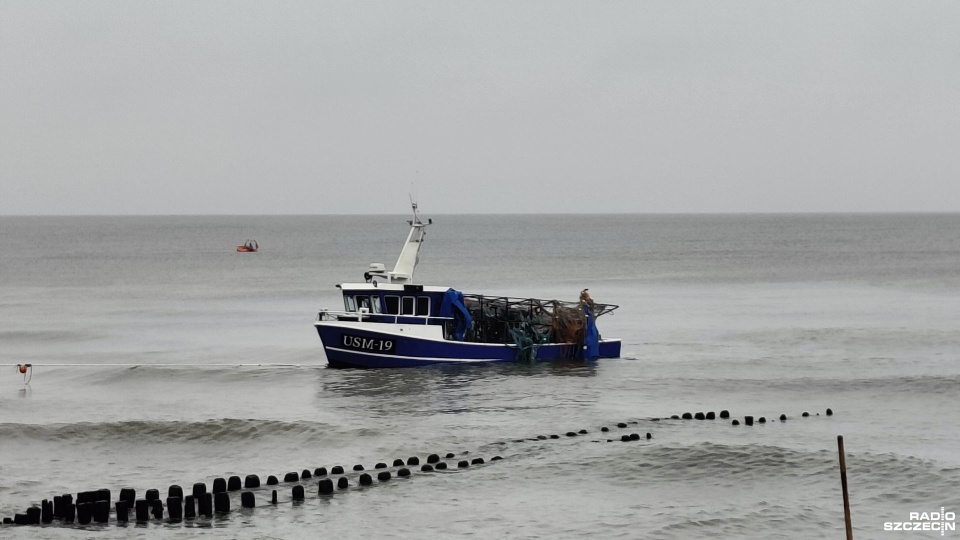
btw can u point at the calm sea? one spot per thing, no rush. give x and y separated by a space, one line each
758 314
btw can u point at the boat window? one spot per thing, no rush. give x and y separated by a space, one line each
363 302
350 303
407 305
375 304
393 304
423 306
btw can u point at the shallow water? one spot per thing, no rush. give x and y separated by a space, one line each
760 315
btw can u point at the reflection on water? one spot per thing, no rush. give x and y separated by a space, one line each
452 388
405 382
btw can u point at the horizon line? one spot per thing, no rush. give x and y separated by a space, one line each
720 213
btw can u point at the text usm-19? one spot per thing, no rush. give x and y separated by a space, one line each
368 344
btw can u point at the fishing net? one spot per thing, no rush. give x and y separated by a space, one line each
529 323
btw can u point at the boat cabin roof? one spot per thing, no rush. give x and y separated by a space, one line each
390 287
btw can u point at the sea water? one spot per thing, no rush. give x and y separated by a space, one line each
188 361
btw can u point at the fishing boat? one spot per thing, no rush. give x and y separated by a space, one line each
389 321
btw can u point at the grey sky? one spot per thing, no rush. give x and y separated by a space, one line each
330 107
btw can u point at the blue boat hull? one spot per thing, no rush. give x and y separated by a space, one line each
370 349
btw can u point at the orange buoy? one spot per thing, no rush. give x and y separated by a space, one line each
22 368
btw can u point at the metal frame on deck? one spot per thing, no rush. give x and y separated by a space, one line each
543 321
597 308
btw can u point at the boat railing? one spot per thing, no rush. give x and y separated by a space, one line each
359 316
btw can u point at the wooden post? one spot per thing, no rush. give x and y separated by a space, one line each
843 484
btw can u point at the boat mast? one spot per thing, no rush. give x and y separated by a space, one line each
410 254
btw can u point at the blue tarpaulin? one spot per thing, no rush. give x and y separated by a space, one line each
452 306
592 337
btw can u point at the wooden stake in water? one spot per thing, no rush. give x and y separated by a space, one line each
843 484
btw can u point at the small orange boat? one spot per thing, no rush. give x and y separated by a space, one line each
249 247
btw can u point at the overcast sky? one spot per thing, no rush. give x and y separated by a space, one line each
518 106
